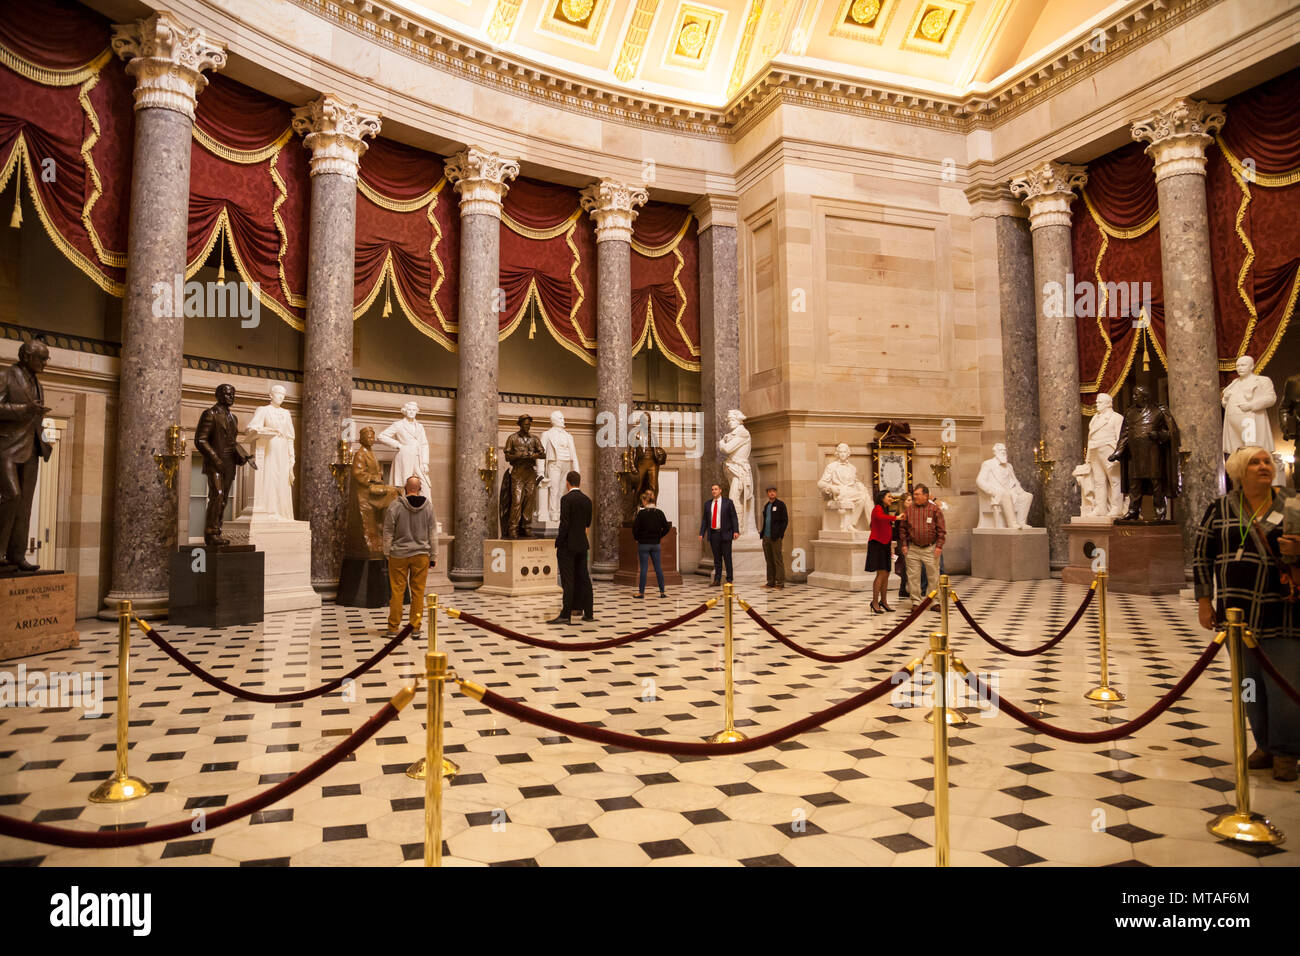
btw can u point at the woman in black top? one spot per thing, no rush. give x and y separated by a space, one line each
649 528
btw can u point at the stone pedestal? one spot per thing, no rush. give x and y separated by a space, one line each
747 560
629 569
1087 537
1146 558
287 546
840 558
38 613
518 566
363 582
1009 554
216 587
438 582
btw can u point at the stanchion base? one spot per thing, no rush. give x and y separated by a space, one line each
1104 694
416 770
953 718
120 790
1245 828
727 737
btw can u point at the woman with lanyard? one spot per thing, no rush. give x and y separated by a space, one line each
1242 554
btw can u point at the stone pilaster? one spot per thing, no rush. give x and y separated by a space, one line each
1047 190
481 178
335 131
719 341
613 206
167 61
1178 134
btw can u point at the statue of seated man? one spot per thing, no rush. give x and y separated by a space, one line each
1003 502
846 496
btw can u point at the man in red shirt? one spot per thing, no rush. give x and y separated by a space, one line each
921 540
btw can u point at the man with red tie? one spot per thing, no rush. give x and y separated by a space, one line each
720 525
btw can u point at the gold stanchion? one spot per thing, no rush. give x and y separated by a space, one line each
939 652
729 734
1103 692
416 770
435 667
1241 824
122 787
955 718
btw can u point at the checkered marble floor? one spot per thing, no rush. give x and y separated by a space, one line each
858 791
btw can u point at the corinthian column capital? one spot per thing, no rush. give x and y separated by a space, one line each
1047 190
1178 134
335 131
482 178
167 61
613 206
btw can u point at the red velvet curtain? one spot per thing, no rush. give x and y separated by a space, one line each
1116 244
1253 187
250 194
54 34
665 283
408 237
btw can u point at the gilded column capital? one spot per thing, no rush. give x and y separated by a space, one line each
1178 134
613 205
335 131
167 61
1047 190
482 178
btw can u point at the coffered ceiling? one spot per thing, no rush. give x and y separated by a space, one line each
703 51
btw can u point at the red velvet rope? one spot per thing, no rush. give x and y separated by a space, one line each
839 658
1006 649
599 735
1274 673
584 645
1101 736
105 839
242 694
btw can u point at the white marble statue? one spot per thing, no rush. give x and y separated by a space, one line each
1246 402
847 497
1103 434
271 432
1003 502
412 445
1083 477
735 445
561 458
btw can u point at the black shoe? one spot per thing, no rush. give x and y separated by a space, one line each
22 564
717 582
875 609
562 619
588 617
886 607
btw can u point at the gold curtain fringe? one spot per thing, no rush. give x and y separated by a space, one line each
1273 180
399 205
106 256
48 77
244 157
654 252
1115 232
553 232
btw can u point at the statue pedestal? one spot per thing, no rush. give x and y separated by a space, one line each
1009 554
216 587
629 570
438 582
363 582
840 558
747 562
519 566
287 546
38 612
1086 536
1146 558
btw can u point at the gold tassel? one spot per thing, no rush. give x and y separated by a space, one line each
532 323
388 302
221 251
16 219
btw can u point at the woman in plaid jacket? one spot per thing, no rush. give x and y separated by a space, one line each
1244 560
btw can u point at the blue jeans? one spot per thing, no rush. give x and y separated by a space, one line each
645 553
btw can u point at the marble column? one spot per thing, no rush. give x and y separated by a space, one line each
481 178
335 131
719 341
1178 134
613 206
167 61
1047 190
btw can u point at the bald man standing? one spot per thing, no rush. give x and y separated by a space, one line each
411 546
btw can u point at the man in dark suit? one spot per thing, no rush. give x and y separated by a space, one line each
21 448
215 440
775 521
571 548
720 525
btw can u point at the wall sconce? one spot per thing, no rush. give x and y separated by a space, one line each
339 469
1043 462
941 469
169 463
489 473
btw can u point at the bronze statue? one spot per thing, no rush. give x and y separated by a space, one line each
644 459
215 438
518 502
1147 451
368 498
1289 412
21 449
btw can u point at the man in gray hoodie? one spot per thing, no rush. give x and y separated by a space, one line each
411 546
